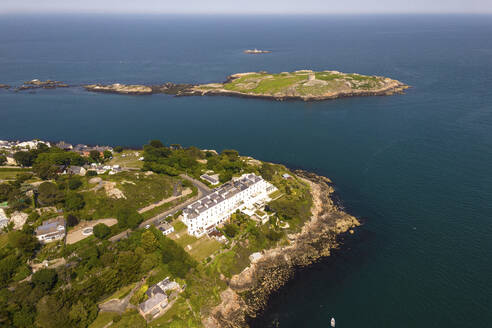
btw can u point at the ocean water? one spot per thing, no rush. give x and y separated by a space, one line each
417 168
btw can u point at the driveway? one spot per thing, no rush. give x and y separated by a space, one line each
76 234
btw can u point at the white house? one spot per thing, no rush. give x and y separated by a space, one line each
4 220
206 213
51 230
212 179
166 228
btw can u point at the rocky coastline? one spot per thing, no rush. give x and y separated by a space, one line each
248 292
305 85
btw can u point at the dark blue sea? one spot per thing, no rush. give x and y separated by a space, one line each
417 168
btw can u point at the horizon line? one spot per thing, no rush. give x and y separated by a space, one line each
252 13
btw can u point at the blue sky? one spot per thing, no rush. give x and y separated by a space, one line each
246 6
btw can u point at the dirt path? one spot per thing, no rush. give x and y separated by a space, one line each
76 234
185 192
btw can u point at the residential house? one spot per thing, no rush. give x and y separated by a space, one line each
212 179
63 145
166 228
51 230
157 298
76 170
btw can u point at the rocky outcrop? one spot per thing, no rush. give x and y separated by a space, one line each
133 89
36 84
19 219
248 292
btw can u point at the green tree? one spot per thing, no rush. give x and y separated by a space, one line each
95 155
267 171
149 242
231 230
3 159
48 194
44 279
24 158
107 154
225 176
101 230
128 218
24 241
230 153
72 220
156 144
118 149
5 190
44 170
74 183
74 201
51 313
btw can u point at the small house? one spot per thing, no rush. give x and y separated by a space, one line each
166 228
51 230
211 179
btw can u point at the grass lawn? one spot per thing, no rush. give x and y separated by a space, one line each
103 318
11 173
128 159
4 239
184 239
203 248
120 293
178 316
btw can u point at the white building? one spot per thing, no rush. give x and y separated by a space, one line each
166 228
205 214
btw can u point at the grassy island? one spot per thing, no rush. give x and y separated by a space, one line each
304 84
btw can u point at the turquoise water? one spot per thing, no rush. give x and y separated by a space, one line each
415 167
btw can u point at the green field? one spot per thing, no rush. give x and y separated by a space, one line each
297 83
127 159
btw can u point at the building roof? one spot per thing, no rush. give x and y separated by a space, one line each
164 226
152 302
220 194
51 226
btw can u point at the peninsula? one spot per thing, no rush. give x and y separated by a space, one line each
95 236
305 85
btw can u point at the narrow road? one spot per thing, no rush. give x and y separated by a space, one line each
203 190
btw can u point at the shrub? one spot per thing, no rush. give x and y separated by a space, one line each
91 173
118 149
72 220
74 183
45 279
101 231
74 202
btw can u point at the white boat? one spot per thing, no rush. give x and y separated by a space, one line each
332 322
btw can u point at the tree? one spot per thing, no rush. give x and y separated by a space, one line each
267 171
91 173
95 155
225 176
231 230
101 230
3 160
128 218
23 241
44 170
156 144
74 201
5 190
45 279
72 220
51 313
231 153
24 158
107 154
48 194
118 149
74 183
149 242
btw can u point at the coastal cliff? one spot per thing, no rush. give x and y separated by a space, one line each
248 292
